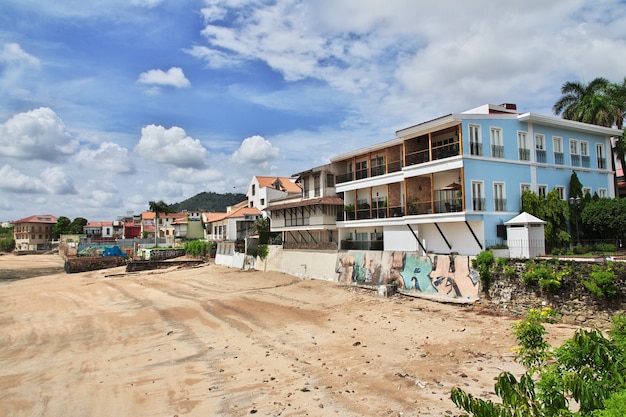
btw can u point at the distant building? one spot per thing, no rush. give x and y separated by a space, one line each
34 233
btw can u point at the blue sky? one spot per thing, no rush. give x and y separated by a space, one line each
106 106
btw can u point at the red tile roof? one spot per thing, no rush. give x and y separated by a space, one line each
287 184
38 218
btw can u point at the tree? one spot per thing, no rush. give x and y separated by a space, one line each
62 226
76 227
262 227
158 207
554 211
606 217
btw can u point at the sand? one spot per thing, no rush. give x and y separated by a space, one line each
215 341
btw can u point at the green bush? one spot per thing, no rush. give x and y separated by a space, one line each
601 282
7 244
543 276
483 263
603 248
579 249
261 251
197 248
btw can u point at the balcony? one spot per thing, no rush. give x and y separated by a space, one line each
524 154
497 151
499 204
559 158
476 148
478 204
540 154
349 244
575 160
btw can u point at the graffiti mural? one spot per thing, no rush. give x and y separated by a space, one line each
443 275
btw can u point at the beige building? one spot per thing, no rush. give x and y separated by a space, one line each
34 233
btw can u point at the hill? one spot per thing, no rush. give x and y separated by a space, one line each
209 201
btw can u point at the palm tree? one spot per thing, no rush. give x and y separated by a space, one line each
158 207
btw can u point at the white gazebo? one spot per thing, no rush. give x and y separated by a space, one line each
525 236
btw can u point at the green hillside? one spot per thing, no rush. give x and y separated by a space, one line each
209 201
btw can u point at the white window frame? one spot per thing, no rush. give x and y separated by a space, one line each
475 137
540 142
499 193
561 190
522 144
495 136
587 190
573 147
478 193
602 192
557 144
524 187
542 190
584 148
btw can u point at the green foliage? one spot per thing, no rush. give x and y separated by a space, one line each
76 227
546 277
533 350
583 377
198 247
7 244
209 202
62 226
603 248
483 263
261 251
605 216
554 211
601 282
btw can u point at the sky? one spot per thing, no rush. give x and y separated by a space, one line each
108 105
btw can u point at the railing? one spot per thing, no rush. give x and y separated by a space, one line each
575 160
378 170
586 161
344 178
417 207
559 158
478 204
418 157
297 222
524 154
394 166
449 206
497 151
476 148
361 173
541 156
499 204
601 163
350 244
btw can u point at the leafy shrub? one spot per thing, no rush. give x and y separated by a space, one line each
603 247
260 251
545 277
482 263
601 282
7 244
197 248
579 249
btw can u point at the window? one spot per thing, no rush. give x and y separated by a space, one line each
499 197
602 192
540 148
557 144
262 201
600 156
478 200
497 149
361 170
561 191
524 188
253 189
330 180
378 166
584 154
305 187
476 146
522 146
542 190
573 151
586 191
316 186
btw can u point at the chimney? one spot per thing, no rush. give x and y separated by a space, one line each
509 106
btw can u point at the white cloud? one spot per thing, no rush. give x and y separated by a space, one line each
146 3
109 157
194 176
171 146
53 181
256 152
173 77
36 134
12 53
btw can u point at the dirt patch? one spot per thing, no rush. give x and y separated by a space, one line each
223 342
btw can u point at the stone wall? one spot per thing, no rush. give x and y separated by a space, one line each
573 301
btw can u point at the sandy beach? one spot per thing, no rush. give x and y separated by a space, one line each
214 341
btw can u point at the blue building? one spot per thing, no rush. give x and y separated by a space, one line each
449 184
